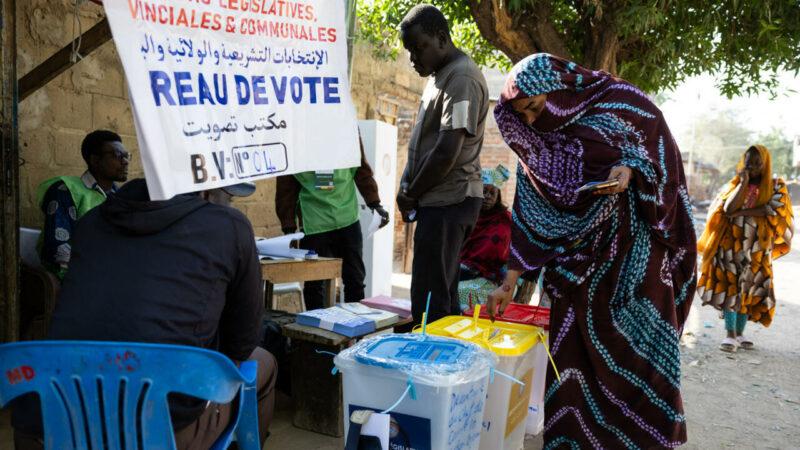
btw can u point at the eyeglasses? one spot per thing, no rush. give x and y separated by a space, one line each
122 156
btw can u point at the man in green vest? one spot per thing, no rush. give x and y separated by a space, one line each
66 199
324 203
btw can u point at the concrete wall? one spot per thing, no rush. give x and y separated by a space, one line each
93 95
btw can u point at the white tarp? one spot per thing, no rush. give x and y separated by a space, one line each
225 91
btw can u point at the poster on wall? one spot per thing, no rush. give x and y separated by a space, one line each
225 91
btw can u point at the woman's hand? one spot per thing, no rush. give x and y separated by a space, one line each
620 173
758 211
500 297
744 176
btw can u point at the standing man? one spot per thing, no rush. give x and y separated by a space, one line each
65 199
324 204
441 185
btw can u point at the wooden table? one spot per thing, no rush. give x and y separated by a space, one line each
316 393
274 271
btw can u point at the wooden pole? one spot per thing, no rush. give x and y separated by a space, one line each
9 176
62 59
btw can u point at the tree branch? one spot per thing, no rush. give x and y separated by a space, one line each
515 38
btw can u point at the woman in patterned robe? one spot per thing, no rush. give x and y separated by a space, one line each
620 263
749 225
484 255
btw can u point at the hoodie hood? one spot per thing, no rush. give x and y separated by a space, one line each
131 209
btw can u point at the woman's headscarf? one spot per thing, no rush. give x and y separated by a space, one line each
554 159
718 222
592 122
766 188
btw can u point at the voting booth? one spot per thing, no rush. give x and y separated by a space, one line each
380 149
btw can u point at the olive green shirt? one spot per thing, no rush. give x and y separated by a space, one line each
456 97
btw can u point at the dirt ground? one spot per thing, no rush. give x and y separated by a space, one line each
749 399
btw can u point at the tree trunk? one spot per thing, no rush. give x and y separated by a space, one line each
526 32
530 30
602 43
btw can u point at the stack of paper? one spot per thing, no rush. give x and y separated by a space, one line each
279 247
337 320
381 318
401 307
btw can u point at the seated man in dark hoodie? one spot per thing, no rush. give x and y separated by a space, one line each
180 271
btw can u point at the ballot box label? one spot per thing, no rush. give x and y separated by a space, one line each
406 432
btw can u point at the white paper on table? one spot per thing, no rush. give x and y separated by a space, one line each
281 246
374 224
357 308
378 426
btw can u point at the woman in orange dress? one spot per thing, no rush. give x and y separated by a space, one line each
749 225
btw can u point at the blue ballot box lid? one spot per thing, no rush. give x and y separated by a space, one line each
431 360
401 350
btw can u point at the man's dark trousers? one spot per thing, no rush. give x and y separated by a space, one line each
440 233
345 243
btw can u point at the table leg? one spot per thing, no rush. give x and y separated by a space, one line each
316 394
269 289
330 289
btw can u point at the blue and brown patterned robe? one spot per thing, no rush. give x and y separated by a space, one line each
620 268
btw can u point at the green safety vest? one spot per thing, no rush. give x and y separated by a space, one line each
85 199
328 210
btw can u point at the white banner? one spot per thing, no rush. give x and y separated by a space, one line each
225 91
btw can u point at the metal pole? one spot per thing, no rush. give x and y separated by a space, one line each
9 175
350 24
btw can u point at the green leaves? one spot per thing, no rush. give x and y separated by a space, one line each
378 22
661 42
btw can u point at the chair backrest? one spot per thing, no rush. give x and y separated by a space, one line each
112 395
28 239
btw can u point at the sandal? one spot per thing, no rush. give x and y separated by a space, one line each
729 345
745 343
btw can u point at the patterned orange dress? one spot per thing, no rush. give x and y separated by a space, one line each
736 273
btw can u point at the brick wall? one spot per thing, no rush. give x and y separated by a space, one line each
93 95
495 151
54 120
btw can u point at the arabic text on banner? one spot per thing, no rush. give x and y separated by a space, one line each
225 91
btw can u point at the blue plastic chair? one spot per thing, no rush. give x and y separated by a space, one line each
113 395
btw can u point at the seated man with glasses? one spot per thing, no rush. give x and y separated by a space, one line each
66 199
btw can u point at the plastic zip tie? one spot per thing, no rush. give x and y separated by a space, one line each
425 317
409 389
549 355
509 377
413 391
335 369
